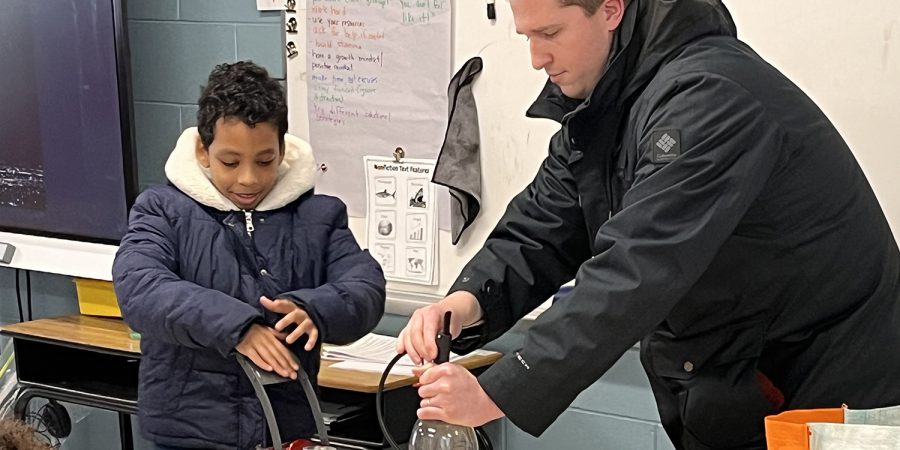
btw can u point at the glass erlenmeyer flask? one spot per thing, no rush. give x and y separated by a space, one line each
437 435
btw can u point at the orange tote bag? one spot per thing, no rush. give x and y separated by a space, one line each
789 430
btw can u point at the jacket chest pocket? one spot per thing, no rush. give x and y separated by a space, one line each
682 358
593 181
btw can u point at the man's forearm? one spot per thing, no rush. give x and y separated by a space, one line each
465 305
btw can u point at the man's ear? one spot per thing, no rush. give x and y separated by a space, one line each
613 11
202 154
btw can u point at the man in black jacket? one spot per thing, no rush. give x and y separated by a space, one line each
706 208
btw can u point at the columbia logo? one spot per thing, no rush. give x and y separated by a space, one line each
665 143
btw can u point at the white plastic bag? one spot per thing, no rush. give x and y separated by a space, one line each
9 382
842 436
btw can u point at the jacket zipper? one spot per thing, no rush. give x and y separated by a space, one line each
609 193
248 222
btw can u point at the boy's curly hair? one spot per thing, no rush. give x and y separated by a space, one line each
245 91
16 435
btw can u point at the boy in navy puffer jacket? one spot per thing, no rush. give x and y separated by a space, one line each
238 255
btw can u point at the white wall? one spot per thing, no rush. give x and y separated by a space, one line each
846 56
512 145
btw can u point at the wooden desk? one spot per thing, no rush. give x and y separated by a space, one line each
367 382
94 361
79 359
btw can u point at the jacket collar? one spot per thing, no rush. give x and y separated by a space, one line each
650 33
296 175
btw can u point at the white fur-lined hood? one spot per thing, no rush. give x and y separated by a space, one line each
296 175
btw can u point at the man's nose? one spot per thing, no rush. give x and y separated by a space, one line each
539 57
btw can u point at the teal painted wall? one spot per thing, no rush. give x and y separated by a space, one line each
174 45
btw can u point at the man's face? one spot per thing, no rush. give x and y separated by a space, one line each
570 46
243 161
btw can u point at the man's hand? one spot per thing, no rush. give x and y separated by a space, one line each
263 346
417 338
452 394
293 314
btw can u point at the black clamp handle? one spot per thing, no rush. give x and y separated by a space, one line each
260 378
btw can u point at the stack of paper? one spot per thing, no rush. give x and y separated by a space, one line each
372 353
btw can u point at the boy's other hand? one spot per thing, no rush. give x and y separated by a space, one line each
262 346
293 314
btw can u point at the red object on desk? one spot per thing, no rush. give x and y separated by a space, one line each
299 444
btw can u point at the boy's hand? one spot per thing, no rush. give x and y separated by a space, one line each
262 346
293 314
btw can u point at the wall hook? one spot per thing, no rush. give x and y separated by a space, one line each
291 49
291 25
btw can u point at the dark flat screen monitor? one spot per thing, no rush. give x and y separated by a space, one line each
66 151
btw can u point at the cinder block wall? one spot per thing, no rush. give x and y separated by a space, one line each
174 45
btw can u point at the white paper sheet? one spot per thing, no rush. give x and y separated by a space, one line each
839 436
373 352
377 73
270 5
401 225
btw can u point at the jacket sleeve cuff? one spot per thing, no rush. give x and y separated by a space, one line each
496 317
339 319
515 388
230 342
302 303
469 339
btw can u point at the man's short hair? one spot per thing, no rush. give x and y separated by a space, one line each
245 91
589 6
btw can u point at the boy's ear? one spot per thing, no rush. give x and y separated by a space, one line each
202 154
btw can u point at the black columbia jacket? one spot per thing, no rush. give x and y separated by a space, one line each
708 209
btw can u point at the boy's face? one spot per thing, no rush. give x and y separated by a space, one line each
243 161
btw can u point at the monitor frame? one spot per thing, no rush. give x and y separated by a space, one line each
126 125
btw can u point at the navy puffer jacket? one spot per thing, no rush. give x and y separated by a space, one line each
188 276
